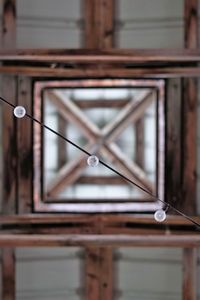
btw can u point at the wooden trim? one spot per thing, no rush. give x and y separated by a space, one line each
189 274
99 240
155 73
109 55
29 219
9 24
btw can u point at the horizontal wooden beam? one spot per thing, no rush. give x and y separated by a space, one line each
109 55
65 240
157 73
92 218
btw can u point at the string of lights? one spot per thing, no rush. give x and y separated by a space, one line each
93 161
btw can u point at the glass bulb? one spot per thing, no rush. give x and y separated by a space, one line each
160 215
19 111
92 161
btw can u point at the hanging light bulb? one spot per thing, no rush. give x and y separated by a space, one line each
160 215
19 111
92 161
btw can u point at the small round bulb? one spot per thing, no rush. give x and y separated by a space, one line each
160 215
92 161
19 111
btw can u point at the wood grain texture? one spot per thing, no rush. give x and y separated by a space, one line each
8 274
189 115
24 147
99 240
99 24
173 143
189 274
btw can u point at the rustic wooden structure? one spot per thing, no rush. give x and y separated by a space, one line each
99 234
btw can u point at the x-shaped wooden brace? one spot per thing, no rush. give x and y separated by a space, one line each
100 139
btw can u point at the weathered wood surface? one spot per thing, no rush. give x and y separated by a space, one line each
156 73
189 115
91 218
107 55
99 24
173 142
189 274
99 273
24 147
8 274
99 240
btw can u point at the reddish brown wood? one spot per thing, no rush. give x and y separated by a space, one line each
62 151
9 136
92 274
117 56
139 143
173 143
8 274
24 147
189 274
189 115
157 73
9 24
99 240
99 24
92 219
106 273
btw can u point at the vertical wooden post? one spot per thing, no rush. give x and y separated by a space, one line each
189 115
9 91
62 125
173 143
189 274
24 148
99 24
8 271
139 133
99 273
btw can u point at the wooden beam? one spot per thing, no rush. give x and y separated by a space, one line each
9 24
117 56
28 219
99 24
24 148
99 240
189 274
156 73
139 143
8 274
189 115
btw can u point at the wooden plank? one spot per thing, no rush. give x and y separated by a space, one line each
92 273
24 147
99 24
156 73
8 274
9 156
189 115
173 143
106 273
101 103
189 274
99 273
99 240
106 56
92 218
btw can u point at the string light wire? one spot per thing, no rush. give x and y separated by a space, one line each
167 205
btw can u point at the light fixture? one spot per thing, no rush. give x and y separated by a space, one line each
160 215
92 161
19 112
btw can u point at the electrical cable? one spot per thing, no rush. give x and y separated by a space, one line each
168 205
